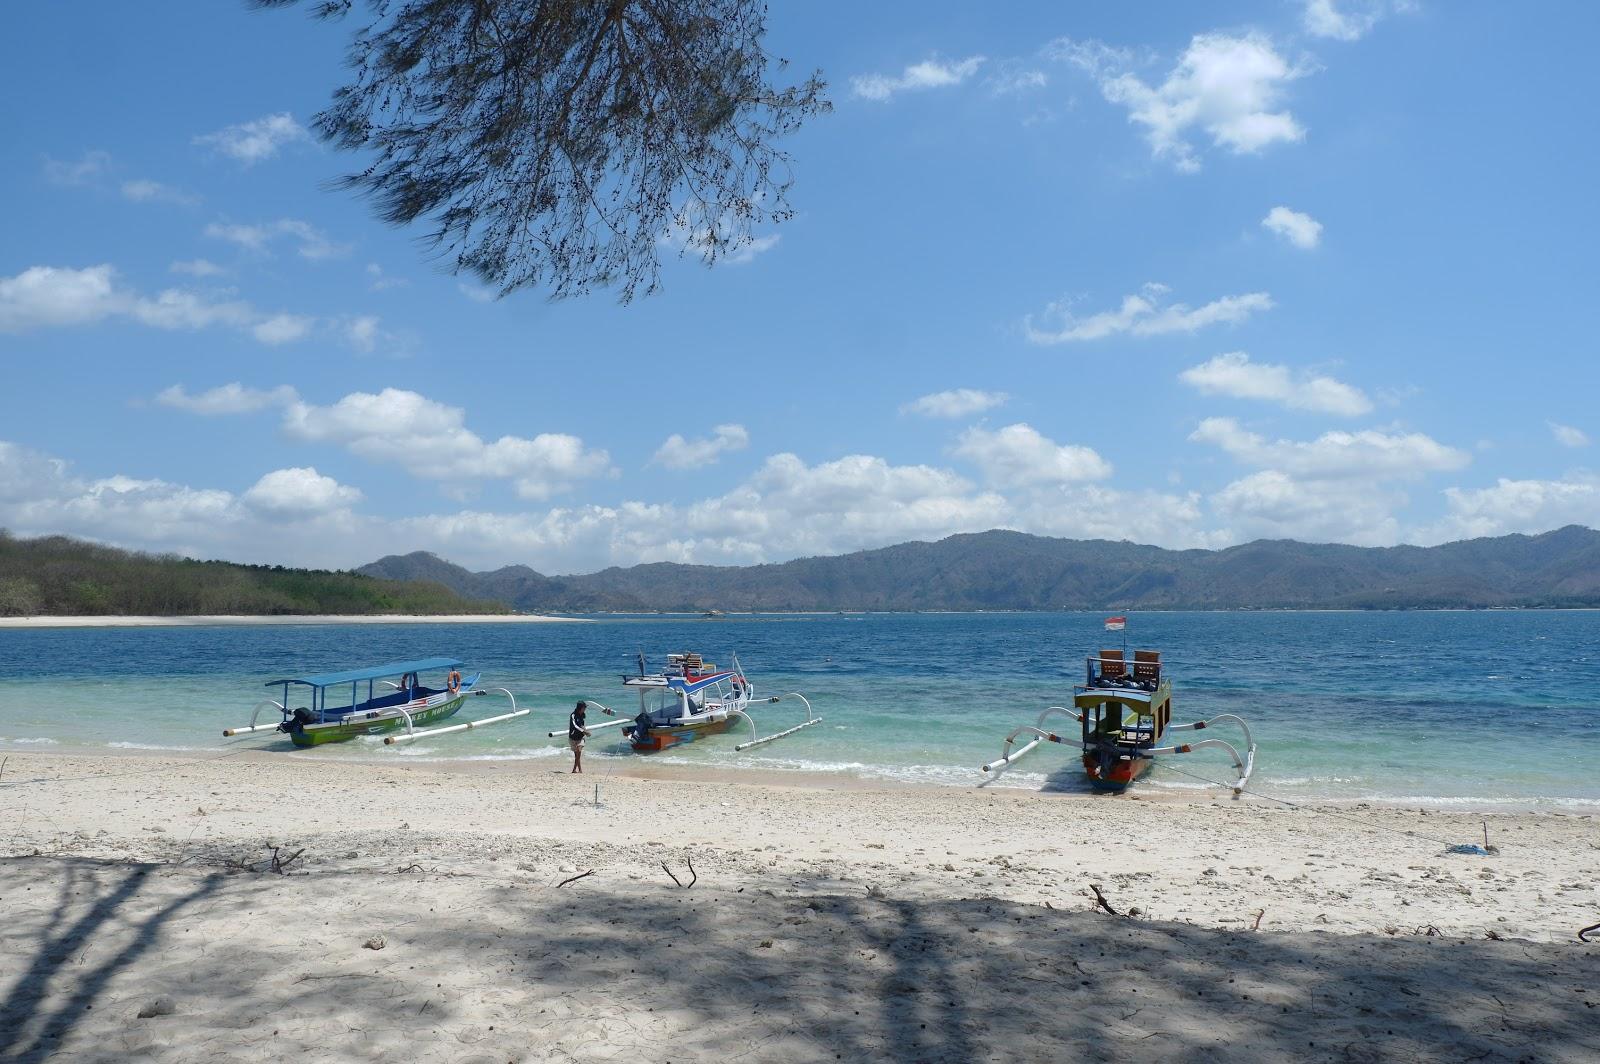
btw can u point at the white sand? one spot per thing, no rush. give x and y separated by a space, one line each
240 619
828 922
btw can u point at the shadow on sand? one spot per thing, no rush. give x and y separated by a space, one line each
484 968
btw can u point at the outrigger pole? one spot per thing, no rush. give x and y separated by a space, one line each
1040 735
811 718
229 733
413 734
619 722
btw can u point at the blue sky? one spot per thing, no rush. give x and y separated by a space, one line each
1181 274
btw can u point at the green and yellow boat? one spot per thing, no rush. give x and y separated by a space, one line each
346 705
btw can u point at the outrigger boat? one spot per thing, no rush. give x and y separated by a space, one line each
1124 717
380 699
691 698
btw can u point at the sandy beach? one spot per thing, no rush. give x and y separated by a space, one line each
314 618
423 916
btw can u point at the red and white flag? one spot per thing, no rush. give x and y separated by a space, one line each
1116 624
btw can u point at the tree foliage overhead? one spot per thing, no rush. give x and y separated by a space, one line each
562 144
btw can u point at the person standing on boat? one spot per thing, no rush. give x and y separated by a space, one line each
577 732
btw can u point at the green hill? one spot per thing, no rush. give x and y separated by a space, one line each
55 575
999 570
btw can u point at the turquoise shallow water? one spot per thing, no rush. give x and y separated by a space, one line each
1444 708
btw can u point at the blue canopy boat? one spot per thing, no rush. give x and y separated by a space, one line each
344 705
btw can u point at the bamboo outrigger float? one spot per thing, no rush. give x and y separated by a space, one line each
691 698
1124 716
377 703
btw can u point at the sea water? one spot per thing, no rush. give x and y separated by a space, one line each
1450 709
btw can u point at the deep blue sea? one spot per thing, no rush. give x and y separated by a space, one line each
1452 709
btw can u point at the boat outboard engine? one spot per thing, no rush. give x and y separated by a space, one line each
296 724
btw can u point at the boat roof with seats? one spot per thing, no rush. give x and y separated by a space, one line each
376 672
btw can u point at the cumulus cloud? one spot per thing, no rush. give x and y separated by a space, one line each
256 141
1236 377
57 297
1141 315
1018 456
46 296
931 73
1301 230
679 453
958 402
232 398
1568 436
1324 18
299 490
1271 504
430 440
718 241
1227 88
1527 506
1369 454
310 242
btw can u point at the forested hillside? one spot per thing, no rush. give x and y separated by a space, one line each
1001 570
55 575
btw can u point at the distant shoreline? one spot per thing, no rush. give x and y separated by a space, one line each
280 619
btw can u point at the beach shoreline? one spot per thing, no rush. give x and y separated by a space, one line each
240 620
263 906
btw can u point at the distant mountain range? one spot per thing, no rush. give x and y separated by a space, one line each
1000 570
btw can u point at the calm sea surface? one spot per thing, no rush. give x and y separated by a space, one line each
1442 708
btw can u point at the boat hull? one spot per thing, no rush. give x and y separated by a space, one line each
321 734
660 738
1116 775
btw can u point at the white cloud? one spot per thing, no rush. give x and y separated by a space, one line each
56 297
1015 77
1225 87
362 333
311 243
1528 506
232 398
1368 454
85 171
47 296
1235 376
1568 436
253 142
1093 511
1323 18
431 440
931 73
958 402
476 292
1018 456
299 490
1271 504
1142 315
144 191
282 328
381 281
690 233
197 268
679 453
1301 230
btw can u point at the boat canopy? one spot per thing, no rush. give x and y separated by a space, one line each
376 672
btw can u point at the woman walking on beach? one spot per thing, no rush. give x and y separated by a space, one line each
576 734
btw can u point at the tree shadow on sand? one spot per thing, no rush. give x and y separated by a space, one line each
496 966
